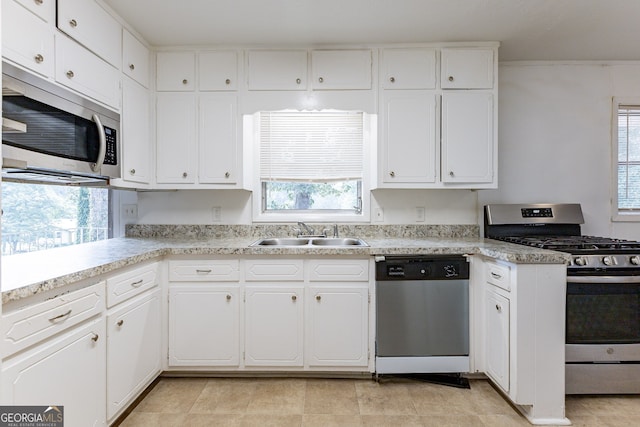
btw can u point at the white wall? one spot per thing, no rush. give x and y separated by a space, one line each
555 138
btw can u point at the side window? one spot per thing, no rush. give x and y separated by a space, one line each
626 148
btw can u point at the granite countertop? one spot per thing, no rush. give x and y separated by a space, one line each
24 275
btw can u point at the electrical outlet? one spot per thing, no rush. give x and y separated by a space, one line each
420 214
216 212
130 211
379 215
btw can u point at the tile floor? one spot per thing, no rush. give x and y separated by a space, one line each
351 402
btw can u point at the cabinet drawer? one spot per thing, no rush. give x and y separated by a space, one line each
204 271
128 284
498 275
272 270
339 270
28 326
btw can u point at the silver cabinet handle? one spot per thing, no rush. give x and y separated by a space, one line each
496 275
392 79
498 308
60 316
450 78
102 150
70 74
227 174
184 174
132 67
298 81
228 297
73 23
95 337
120 322
203 271
185 81
294 298
392 174
38 2
132 171
451 173
39 58
228 81
320 79
137 283
318 298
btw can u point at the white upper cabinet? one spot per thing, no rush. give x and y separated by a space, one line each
136 140
33 49
176 71
341 69
135 59
467 68
277 70
92 26
176 152
81 70
468 142
218 70
218 138
411 68
45 9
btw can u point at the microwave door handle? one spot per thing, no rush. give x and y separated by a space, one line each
102 150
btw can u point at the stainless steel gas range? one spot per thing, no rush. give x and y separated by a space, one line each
603 293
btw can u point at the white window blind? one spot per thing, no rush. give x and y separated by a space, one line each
313 146
628 158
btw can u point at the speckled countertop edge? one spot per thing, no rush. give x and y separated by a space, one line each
26 275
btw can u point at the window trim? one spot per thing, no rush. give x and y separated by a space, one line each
252 134
616 214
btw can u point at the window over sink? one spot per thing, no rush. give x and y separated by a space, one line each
38 216
311 165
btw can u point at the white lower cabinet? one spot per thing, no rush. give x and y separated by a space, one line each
68 370
497 337
204 325
274 326
337 325
133 349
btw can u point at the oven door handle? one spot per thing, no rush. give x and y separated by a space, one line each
603 279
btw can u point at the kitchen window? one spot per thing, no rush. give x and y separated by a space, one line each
627 161
311 165
37 217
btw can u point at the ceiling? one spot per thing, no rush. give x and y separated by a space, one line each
527 29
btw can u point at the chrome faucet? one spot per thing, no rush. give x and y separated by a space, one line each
309 231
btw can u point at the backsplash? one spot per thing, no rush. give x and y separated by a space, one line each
365 231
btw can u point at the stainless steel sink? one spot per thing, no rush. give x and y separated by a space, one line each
347 241
304 241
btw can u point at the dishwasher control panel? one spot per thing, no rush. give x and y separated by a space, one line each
422 268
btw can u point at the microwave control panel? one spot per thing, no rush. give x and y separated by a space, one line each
111 155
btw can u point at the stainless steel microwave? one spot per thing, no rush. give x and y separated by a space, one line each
52 135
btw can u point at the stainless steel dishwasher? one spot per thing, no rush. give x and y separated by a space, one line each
422 314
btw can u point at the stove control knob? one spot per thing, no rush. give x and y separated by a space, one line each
581 261
635 260
608 260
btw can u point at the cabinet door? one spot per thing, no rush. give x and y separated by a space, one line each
136 143
338 326
408 69
93 27
277 70
133 350
218 70
32 49
45 9
408 137
204 325
176 142
135 59
176 71
467 68
467 137
497 337
218 142
341 69
81 70
68 370
273 326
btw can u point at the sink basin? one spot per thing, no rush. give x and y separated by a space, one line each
348 241
303 241
288 241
